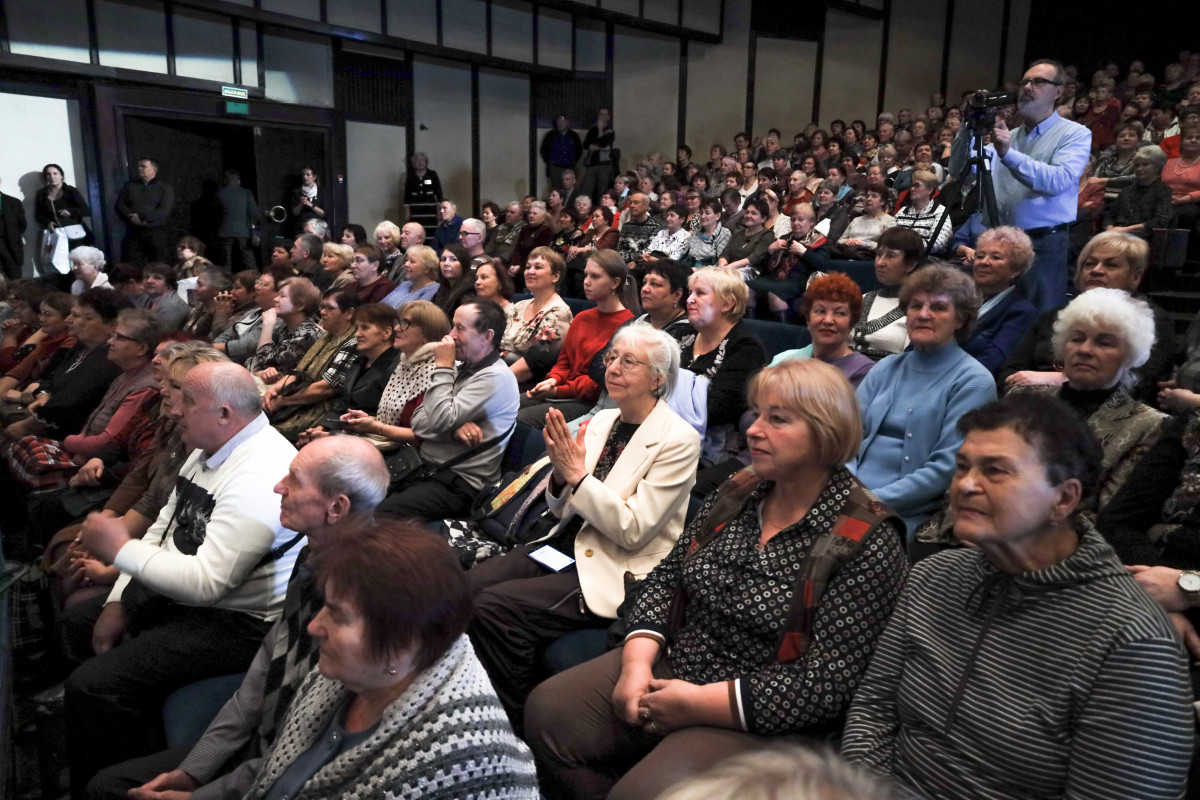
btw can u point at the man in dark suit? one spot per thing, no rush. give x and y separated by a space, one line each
145 205
12 225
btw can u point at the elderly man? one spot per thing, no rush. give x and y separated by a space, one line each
198 591
1036 171
331 488
508 231
145 206
12 230
465 416
471 236
306 260
412 233
560 149
637 231
570 188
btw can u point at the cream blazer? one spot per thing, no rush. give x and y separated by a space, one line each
635 516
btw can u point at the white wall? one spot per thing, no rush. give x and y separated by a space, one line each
375 159
783 87
442 114
503 136
59 140
645 94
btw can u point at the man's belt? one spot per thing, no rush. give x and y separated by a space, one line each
1038 233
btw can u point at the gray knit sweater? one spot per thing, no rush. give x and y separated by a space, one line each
445 738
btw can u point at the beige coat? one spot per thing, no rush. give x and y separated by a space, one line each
635 516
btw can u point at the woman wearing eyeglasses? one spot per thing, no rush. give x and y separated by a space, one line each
619 493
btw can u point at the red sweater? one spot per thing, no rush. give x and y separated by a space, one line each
588 335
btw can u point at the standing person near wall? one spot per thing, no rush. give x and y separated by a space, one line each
599 159
12 226
145 206
560 150
239 212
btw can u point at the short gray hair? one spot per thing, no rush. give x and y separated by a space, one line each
1152 153
662 352
144 326
317 227
942 278
1019 244
92 256
472 225
355 468
782 773
1116 308
232 385
218 278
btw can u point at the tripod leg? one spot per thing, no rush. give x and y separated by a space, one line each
988 192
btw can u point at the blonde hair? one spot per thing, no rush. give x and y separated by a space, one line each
390 227
428 317
1133 249
1019 244
727 285
821 395
343 251
785 772
427 257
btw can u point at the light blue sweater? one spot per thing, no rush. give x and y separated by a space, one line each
917 397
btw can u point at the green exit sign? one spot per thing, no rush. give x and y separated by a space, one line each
232 107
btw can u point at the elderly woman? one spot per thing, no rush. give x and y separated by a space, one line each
421 325
421 272
536 327
922 213
387 239
911 402
881 331
304 396
47 463
726 681
747 248
621 495
159 283
421 184
1145 203
723 350
75 380
384 711
368 372
335 260
1100 338
371 285
1110 260
289 329
189 258
831 308
210 284
669 242
793 260
832 216
30 359
861 237
457 278
1029 664
1115 167
1001 257
233 304
87 265
534 234
568 387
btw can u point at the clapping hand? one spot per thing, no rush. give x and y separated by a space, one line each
566 451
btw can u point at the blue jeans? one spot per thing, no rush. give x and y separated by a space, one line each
1045 282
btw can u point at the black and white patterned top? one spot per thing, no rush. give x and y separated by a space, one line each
738 602
882 329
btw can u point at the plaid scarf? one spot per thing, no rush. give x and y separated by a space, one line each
294 654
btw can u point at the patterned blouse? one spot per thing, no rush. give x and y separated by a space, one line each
286 348
738 599
882 330
551 322
406 387
704 250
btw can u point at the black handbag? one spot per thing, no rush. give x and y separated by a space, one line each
509 513
406 467
300 381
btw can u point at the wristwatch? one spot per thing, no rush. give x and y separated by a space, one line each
1189 585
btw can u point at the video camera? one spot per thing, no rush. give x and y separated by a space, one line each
982 106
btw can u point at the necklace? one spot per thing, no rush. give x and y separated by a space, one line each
1180 169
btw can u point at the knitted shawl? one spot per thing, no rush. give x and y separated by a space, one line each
446 738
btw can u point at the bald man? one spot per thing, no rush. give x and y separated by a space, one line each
412 233
211 570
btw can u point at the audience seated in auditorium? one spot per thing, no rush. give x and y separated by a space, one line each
831 308
158 281
29 357
372 287
747 249
421 273
922 214
1001 256
457 278
537 232
492 282
536 327
832 216
726 681
87 267
792 262
911 402
1145 204
288 330
240 338
232 305
1028 664
388 239
709 240
335 261
210 283
617 500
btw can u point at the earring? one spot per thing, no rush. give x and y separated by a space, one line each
391 671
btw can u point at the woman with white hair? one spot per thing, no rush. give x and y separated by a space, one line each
1100 338
620 492
87 265
1146 203
387 239
1001 257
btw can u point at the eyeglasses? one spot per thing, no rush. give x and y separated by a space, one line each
404 324
627 360
263 285
123 336
465 234
1038 83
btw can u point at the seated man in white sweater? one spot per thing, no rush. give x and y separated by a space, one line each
199 591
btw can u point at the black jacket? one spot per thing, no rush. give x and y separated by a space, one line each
12 248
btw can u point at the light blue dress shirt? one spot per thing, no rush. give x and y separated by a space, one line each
1037 181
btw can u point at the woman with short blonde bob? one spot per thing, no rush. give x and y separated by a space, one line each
422 268
387 239
727 681
1002 255
335 260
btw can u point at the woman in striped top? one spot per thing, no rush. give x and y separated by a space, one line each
1030 665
